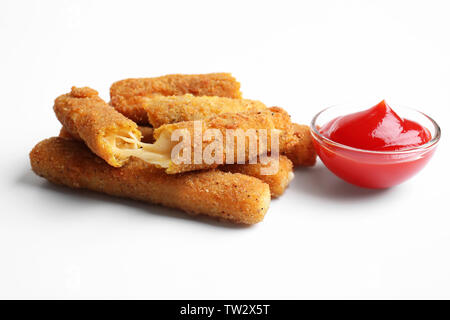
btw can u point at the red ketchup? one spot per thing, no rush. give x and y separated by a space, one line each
378 129
383 145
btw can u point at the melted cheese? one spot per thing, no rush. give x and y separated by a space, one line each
157 153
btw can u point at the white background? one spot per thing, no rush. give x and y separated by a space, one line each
322 239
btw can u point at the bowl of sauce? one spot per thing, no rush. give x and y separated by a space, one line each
377 147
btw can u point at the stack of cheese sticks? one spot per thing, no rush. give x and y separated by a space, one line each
124 148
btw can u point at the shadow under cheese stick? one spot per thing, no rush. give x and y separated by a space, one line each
126 94
230 196
147 134
115 138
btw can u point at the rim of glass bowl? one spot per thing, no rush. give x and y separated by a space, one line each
434 140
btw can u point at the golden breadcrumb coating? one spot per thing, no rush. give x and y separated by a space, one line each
126 94
301 149
87 117
271 118
277 182
147 134
164 110
231 196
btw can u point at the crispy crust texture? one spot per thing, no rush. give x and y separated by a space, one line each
163 110
300 149
126 94
277 182
87 117
271 118
147 134
230 196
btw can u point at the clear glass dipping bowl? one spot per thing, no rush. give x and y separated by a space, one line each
373 169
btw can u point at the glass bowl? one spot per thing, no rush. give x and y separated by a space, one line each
373 169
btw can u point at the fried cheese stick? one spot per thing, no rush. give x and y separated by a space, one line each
295 139
230 196
300 149
126 94
272 120
171 109
108 133
165 110
87 117
277 182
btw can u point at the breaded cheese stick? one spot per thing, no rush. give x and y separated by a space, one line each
109 134
163 110
231 196
126 94
295 140
87 117
269 120
171 109
277 182
300 149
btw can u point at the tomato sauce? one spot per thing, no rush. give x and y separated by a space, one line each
374 148
378 129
